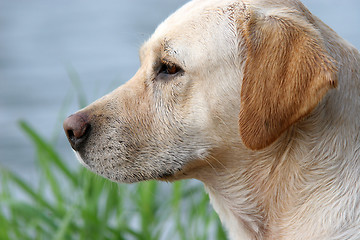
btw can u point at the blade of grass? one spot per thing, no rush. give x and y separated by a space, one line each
125 230
176 208
65 225
61 116
4 226
28 220
114 201
92 194
42 144
50 178
26 188
27 212
147 206
75 80
5 191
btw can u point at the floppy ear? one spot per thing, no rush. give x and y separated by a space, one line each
286 74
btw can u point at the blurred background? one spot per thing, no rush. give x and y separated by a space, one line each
43 42
57 54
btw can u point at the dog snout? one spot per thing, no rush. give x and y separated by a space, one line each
77 129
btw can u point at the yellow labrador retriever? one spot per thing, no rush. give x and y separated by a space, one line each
259 100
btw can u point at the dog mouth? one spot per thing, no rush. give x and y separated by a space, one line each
127 173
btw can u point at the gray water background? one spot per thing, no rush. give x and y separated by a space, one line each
40 40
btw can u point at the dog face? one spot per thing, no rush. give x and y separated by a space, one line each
215 75
163 120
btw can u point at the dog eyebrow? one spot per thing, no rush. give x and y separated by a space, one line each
171 53
168 49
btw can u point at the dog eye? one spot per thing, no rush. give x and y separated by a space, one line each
169 69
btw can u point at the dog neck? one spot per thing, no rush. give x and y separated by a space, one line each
252 196
265 194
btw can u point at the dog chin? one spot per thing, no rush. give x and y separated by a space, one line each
168 176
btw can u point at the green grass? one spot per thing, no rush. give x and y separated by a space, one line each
68 203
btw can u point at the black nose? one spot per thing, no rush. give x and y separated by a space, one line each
77 129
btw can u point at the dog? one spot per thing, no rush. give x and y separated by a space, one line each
257 99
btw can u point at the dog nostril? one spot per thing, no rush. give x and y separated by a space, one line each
71 136
77 129
70 133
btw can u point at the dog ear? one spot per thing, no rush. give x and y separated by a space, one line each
287 72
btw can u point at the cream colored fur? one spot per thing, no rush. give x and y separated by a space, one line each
290 167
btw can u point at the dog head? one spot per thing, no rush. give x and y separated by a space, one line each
215 75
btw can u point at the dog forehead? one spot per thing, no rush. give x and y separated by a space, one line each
199 28
196 13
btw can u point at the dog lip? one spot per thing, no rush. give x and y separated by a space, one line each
168 175
80 159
